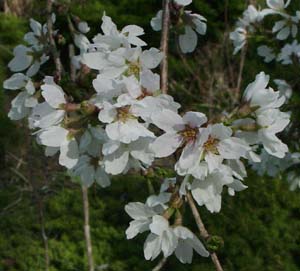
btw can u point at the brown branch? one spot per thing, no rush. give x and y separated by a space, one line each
160 265
87 232
53 47
164 46
203 232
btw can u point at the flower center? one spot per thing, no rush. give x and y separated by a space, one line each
123 114
189 134
133 69
211 145
94 162
144 94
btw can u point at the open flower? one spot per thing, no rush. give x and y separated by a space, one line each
194 23
264 117
120 157
25 101
91 169
266 52
161 239
187 242
59 137
179 131
208 191
215 144
122 123
142 215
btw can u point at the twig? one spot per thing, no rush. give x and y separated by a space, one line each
13 204
87 232
160 265
203 232
242 65
72 67
53 48
165 46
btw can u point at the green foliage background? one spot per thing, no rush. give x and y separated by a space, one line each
260 226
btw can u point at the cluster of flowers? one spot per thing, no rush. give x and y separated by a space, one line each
127 123
286 29
186 24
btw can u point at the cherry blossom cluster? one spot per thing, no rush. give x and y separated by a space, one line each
186 24
284 30
127 123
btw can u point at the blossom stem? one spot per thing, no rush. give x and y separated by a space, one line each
87 232
241 70
165 46
203 232
53 48
160 265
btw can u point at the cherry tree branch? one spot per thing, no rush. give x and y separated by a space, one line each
53 47
87 232
203 232
164 46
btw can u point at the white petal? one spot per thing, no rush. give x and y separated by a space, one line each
194 119
183 2
152 246
183 232
69 153
283 33
116 162
151 58
166 144
53 94
136 227
22 59
184 252
169 121
169 242
188 41
138 210
198 246
102 178
53 136
159 225
16 81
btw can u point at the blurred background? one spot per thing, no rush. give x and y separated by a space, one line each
41 225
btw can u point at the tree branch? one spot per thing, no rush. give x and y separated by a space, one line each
87 232
203 232
164 46
53 48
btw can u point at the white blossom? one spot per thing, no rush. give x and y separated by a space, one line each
187 242
142 217
59 137
239 39
266 52
284 88
288 51
120 157
91 169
